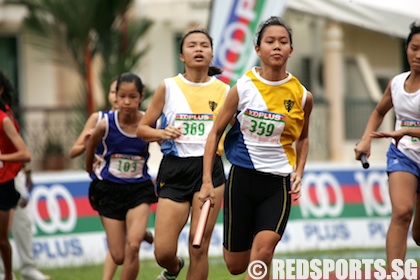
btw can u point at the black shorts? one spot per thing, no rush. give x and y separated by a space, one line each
9 196
254 201
113 200
179 178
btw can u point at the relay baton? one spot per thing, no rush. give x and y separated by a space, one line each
364 160
202 221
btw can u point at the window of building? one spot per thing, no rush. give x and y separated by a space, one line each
9 65
178 63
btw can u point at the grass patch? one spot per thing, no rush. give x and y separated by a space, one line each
217 267
148 271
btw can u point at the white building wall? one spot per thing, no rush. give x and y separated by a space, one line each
170 17
38 71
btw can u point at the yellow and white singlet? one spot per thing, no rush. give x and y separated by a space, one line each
193 107
270 118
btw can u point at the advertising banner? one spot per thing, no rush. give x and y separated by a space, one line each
233 25
342 207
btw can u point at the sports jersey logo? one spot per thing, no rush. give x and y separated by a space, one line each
288 104
212 105
410 123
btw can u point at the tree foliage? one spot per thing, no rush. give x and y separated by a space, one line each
74 32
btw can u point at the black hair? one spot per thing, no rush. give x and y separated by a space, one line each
213 70
272 21
414 29
129 77
8 90
2 105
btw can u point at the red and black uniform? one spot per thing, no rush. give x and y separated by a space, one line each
8 170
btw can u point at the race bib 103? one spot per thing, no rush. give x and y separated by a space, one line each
126 166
